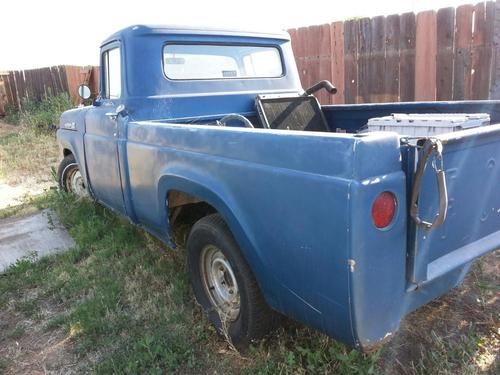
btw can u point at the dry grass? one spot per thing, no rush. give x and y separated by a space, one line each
456 334
26 155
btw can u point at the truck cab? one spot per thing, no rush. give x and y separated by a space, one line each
299 208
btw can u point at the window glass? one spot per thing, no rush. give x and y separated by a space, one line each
112 74
203 61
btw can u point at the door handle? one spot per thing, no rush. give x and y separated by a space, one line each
111 115
114 115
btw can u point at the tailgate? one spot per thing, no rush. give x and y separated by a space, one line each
471 161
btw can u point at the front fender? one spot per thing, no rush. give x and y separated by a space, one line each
70 136
73 141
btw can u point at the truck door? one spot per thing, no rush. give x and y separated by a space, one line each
455 201
102 131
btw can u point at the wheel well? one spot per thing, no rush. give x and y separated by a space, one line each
184 210
67 152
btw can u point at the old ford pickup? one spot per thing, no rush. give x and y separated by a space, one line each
295 207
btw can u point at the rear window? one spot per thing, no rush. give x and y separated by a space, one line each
203 61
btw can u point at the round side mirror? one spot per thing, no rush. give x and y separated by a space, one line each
84 92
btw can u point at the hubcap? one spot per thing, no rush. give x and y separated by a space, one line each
220 283
76 184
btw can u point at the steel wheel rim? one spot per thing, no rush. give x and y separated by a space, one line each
76 184
220 282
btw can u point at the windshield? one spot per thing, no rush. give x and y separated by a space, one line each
203 61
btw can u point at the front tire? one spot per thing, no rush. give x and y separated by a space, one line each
70 178
224 285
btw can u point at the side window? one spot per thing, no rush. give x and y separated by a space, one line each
112 74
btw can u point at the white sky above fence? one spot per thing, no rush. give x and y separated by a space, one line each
41 33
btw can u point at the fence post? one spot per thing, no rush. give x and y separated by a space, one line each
495 87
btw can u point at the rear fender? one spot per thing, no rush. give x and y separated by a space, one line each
218 197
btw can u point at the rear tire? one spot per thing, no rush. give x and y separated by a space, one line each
70 178
224 285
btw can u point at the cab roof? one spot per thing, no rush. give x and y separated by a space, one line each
141 30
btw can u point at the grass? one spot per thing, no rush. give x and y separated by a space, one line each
119 302
26 154
28 148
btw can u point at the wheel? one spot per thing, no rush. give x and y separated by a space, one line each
69 177
224 285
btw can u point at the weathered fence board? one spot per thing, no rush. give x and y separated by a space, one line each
445 39
391 71
377 57
337 58
481 54
407 44
364 60
325 59
425 56
451 54
350 61
462 62
495 71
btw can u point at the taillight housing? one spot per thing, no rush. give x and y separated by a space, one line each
384 209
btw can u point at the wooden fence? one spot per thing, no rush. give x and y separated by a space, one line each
449 54
35 84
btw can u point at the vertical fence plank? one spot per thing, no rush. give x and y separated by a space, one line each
337 38
294 41
61 77
313 53
377 57
21 86
3 96
364 60
481 51
8 90
445 40
94 83
12 83
28 86
302 36
391 71
495 71
407 57
425 56
351 28
325 60
462 61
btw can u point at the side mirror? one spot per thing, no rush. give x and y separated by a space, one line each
84 92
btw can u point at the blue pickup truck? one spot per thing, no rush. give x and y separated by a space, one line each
295 207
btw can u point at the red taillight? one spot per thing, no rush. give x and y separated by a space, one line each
383 209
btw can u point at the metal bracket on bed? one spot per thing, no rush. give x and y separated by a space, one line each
430 146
